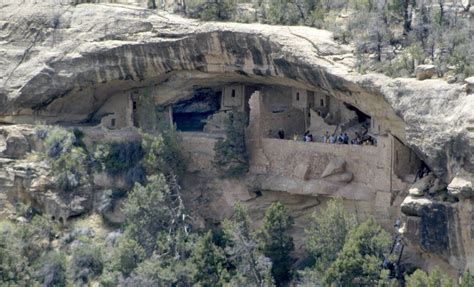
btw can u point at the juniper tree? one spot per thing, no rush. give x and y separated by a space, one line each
209 261
359 261
277 242
328 232
252 268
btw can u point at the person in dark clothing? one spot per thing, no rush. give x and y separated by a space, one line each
281 134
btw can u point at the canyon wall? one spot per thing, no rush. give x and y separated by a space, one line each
62 63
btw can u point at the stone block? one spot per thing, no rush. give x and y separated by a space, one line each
335 166
413 206
424 72
302 171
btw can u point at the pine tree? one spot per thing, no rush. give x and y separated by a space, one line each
277 243
420 279
209 261
327 233
252 268
359 261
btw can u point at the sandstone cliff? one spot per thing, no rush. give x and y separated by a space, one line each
60 64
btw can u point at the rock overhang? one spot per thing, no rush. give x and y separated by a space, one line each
87 60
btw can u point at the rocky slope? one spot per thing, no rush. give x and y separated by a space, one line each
60 63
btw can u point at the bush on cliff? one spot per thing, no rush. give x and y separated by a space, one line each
231 156
433 279
163 153
68 157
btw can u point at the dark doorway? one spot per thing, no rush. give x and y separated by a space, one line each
191 114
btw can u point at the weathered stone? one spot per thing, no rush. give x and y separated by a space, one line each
345 177
451 79
424 72
302 171
335 166
413 206
15 145
68 81
469 84
461 186
437 186
421 186
434 236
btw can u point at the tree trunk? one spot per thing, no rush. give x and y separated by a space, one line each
441 12
406 17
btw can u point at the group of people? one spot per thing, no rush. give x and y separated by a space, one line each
342 138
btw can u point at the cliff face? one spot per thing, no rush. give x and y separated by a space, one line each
61 63
53 55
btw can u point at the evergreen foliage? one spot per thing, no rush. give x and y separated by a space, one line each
68 157
153 210
277 243
359 261
210 262
252 268
434 279
327 233
231 156
163 153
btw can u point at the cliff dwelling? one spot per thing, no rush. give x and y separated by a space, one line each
316 129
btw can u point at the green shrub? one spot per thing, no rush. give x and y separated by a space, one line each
116 158
86 263
277 241
421 279
58 140
52 269
68 156
70 169
163 153
127 255
328 232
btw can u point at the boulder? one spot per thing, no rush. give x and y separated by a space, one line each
469 84
413 206
421 186
424 72
461 186
335 166
14 145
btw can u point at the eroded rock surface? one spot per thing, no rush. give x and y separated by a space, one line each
62 62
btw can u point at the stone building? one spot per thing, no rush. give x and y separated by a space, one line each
118 111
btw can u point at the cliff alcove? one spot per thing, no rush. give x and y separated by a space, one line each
91 69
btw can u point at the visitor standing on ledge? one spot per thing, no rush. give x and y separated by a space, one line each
281 134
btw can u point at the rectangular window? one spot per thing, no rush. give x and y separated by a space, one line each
112 122
322 103
233 93
134 105
297 96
